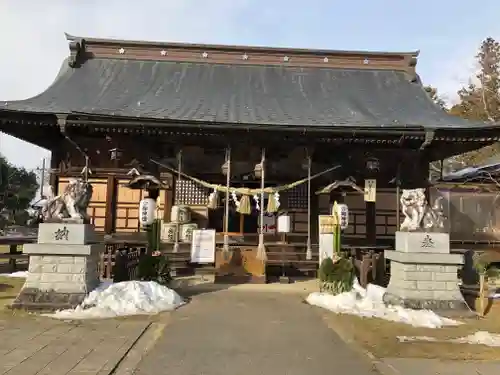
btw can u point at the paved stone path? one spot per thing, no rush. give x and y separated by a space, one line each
43 346
229 332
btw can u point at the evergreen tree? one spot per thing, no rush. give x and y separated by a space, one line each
480 99
18 187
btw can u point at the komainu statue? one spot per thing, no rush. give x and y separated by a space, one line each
418 214
71 205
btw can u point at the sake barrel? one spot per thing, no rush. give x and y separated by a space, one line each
180 214
168 232
186 232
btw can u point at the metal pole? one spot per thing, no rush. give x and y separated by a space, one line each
398 194
42 178
261 249
178 188
309 249
226 204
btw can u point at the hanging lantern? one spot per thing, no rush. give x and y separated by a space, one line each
115 154
372 164
147 211
258 170
284 223
343 215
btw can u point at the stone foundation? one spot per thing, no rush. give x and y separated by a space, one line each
60 275
424 279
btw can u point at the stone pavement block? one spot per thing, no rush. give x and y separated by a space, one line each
61 348
40 359
27 349
17 337
100 355
135 332
146 342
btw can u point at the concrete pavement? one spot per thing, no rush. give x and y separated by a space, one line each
232 332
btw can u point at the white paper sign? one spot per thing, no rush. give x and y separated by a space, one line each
325 246
284 224
269 223
203 246
370 190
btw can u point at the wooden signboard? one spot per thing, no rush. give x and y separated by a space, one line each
327 223
370 190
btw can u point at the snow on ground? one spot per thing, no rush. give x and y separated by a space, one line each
20 274
122 299
478 338
368 303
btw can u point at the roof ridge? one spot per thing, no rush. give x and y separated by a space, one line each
314 51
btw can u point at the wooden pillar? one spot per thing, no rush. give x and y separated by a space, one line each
111 189
227 169
55 161
169 200
308 246
314 214
371 222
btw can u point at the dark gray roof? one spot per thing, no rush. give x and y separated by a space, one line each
244 94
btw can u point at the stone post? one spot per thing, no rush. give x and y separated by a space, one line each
424 275
63 267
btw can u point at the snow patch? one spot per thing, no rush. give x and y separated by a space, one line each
478 338
20 274
123 299
369 303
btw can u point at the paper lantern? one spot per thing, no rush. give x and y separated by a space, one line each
147 211
284 224
343 215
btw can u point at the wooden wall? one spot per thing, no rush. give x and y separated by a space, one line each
124 208
386 207
127 207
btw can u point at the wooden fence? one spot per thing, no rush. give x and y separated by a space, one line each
17 261
124 257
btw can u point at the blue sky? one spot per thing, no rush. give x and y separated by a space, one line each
446 32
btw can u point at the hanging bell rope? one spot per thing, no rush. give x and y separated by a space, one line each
261 248
178 188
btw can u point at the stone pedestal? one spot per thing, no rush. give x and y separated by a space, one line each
424 275
63 267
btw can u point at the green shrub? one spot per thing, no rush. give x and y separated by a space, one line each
154 267
336 277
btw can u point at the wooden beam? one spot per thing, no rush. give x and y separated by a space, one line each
111 190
